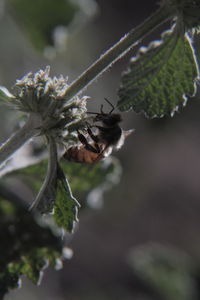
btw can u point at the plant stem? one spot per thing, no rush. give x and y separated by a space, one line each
163 14
18 139
96 69
46 196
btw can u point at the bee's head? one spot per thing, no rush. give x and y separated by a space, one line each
108 119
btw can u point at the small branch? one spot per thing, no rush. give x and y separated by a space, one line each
32 125
46 195
162 15
18 139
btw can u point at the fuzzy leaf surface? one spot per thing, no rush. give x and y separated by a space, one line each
160 77
82 179
65 206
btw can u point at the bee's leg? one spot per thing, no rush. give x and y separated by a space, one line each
101 109
84 141
95 138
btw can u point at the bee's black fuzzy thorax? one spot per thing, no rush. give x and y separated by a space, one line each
109 120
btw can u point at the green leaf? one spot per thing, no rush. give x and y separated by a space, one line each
83 178
5 95
160 77
65 206
26 247
189 11
55 196
32 175
39 18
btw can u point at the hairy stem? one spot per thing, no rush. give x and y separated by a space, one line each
47 193
96 69
19 138
118 50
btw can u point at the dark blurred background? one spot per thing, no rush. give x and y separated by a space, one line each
157 201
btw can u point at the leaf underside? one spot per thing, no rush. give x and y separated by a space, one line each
65 206
82 179
160 77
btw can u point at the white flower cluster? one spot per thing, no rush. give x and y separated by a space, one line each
45 96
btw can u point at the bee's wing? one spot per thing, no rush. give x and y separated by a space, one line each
128 132
125 133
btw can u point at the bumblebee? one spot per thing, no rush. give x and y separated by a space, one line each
103 135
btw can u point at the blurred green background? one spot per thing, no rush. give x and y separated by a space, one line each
143 242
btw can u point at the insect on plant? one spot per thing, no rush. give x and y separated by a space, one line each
159 79
103 135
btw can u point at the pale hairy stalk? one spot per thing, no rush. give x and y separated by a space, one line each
47 191
19 138
96 69
118 50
